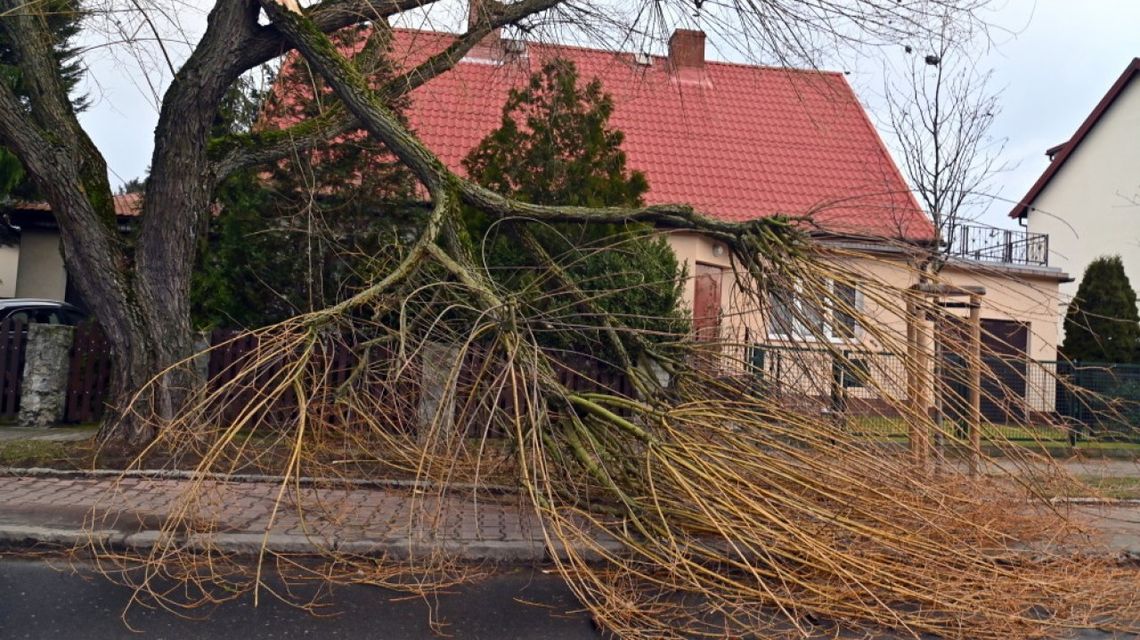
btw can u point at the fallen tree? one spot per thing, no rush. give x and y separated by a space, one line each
697 503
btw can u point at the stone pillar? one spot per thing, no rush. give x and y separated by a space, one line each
437 395
201 348
652 375
43 395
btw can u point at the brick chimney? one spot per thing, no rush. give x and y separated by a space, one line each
474 14
490 48
687 50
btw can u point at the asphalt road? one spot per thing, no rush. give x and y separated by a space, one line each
38 600
48 600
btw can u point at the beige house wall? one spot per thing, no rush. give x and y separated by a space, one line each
40 271
9 267
1024 295
1089 208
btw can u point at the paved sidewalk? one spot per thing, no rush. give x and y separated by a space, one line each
234 516
397 522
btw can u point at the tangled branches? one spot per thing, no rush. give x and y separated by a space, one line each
712 483
687 491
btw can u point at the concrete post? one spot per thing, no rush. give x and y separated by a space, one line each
43 395
437 393
652 375
201 347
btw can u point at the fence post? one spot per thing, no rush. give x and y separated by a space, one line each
44 394
652 375
1070 403
437 392
975 392
201 345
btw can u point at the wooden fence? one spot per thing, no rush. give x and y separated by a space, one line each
13 343
394 404
89 374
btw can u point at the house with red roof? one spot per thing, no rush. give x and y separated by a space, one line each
1087 200
735 141
740 142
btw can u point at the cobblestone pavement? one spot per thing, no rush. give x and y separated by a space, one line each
240 514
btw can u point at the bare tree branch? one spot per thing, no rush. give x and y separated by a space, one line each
260 147
941 115
366 105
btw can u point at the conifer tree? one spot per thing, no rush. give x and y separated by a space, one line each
1102 323
555 146
63 18
301 233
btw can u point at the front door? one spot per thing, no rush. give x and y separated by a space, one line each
706 302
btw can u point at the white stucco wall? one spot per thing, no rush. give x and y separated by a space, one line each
1091 207
41 273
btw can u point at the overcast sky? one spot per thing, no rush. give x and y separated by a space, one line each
1052 61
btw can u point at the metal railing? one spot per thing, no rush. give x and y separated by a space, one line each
1021 399
991 244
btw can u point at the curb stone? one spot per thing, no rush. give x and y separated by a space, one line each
177 474
32 535
250 544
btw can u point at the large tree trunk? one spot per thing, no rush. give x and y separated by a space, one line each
143 341
142 297
147 342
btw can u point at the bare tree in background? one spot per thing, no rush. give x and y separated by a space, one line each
940 112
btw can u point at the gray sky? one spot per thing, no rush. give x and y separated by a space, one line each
1059 61
1052 61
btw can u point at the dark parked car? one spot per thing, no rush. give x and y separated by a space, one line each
35 310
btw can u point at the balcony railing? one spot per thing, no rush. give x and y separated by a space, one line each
990 244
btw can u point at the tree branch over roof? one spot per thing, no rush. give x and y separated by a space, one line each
260 147
365 104
328 16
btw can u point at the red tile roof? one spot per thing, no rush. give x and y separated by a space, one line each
1060 153
127 205
736 142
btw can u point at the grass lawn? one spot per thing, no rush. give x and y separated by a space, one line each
47 453
266 452
1115 487
1052 439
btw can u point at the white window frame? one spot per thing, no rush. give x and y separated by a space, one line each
801 332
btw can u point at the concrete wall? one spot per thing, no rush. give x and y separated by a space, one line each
41 273
1091 207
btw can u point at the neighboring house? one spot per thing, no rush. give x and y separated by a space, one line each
31 266
1087 201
